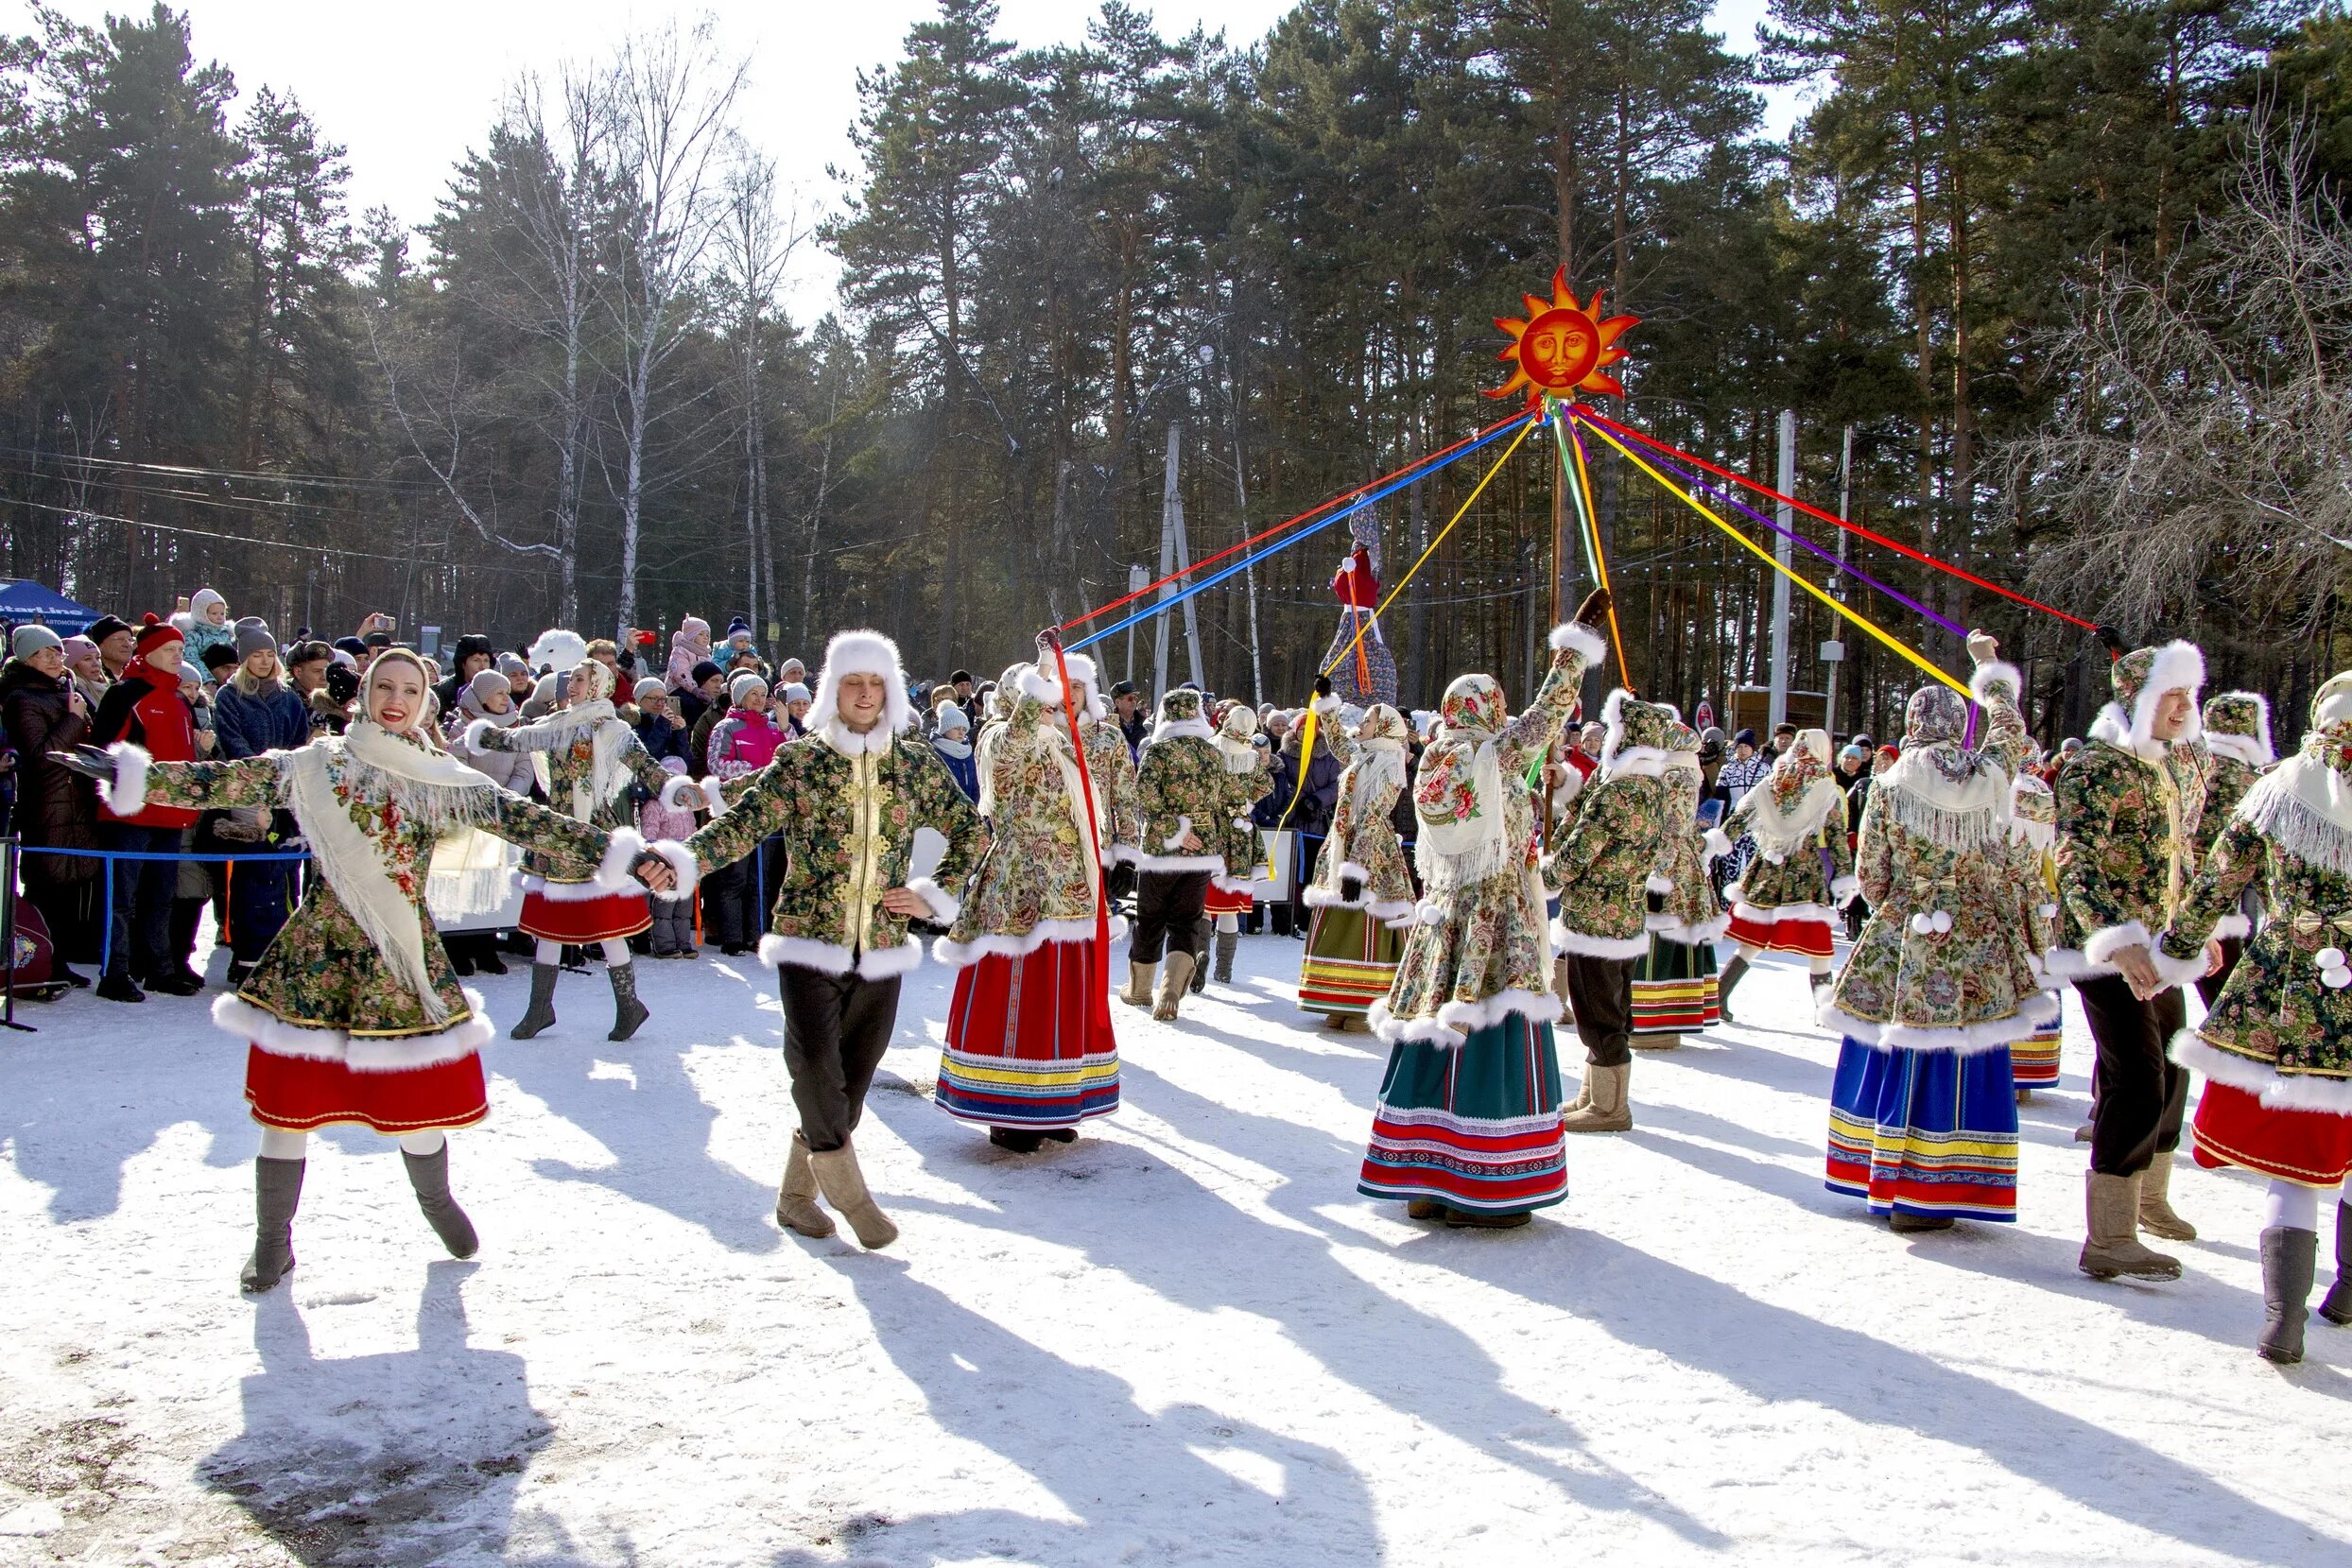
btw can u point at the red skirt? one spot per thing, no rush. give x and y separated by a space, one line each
1808 937
2234 1128
1029 1040
582 921
301 1095
1220 901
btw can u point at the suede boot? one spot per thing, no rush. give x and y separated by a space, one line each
627 1012
1609 1110
542 1012
1199 976
2287 1261
2336 1306
277 1192
2113 1247
2155 1207
1139 978
844 1186
429 1175
1423 1207
1174 977
1018 1140
796 1195
1226 942
1473 1219
1727 982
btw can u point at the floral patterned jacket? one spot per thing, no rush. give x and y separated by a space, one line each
1362 848
2226 781
1481 954
2127 830
1682 902
322 975
1809 883
1111 768
571 765
1039 880
847 824
1182 787
1601 868
1947 959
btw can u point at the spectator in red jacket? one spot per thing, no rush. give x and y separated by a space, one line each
146 710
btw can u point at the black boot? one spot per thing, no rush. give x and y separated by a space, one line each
1018 1140
277 1192
2288 1260
1728 981
115 986
2336 1306
429 1175
1200 978
541 1012
1226 942
627 1012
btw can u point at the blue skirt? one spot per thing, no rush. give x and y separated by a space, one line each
1931 1134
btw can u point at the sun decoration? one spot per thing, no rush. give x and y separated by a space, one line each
1562 346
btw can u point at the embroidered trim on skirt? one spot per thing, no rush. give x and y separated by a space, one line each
580 921
1931 1134
2234 1128
1475 1126
2033 1061
1351 958
302 1093
1029 1040
1674 990
1810 937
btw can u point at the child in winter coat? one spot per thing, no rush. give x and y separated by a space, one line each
673 918
204 625
690 646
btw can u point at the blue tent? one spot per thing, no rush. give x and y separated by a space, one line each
23 601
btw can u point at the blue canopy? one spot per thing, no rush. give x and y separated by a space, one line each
22 601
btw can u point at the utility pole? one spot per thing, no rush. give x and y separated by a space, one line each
1845 512
1136 578
1175 556
1778 711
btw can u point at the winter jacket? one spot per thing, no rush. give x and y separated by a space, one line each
54 805
271 717
661 736
507 769
743 742
146 709
688 646
962 765
698 740
198 635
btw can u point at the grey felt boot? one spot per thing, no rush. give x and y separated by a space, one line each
429 1175
1726 983
542 1010
2287 1261
627 1012
1226 942
2336 1306
277 1192
1200 978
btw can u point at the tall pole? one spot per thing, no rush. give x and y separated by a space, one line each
1845 512
1778 714
1560 538
1241 505
1167 566
1136 578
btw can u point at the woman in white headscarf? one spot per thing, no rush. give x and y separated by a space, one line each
1362 894
353 1014
1803 868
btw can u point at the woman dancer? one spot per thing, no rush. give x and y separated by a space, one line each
1362 894
2276 1049
1801 869
1923 1115
2033 867
593 756
353 1013
1467 1128
1674 988
1030 1052
1228 899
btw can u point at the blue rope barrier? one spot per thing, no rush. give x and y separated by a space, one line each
106 914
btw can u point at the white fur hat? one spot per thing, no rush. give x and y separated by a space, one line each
860 653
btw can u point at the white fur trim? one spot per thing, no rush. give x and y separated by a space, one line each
1756 915
470 739
714 796
1033 682
1176 840
1844 890
2278 1091
1574 637
1397 914
1716 845
1666 925
682 794
806 953
2100 948
2177 971
242 1019
880 963
1997 671
1327 707
682 861
124 794
2067 963
1639 762
1176 729
2178 666
2244 748
2034 1013
860 653
2233 926
959 954
612 872
1657 882
1540 1006
1584 946
943 907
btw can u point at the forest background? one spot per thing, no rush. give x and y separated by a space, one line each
2073 273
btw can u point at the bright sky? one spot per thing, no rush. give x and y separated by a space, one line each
408 89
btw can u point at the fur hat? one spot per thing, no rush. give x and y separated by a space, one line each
2140 678
155 633
1180 714
2238 724
1633 731
1088 679
860 653
105 627
470 645
557 649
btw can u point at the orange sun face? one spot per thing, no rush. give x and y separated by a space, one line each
1562 346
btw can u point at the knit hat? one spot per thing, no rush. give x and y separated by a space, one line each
649 688
1745 737
2140 678
486 685
738 627
155 633
342 684
203 599
219 656
252 636
105 627
351 645
953 717
743 685
78 648
960 676
510 665
2238 724
703 670
31 639
792 692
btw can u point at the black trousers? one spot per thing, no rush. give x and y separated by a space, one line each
731 914
1600 993
1169 914
2139 1095
2210 989
835 1028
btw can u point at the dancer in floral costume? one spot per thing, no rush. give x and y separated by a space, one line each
847 798
2238 750
1362 893
1923 1115
2033 872
1802 869
1110 766
2276 1048
1674 987
1600 869
1029 1053
1190 807
593 757
353 1013
2128 811
1467 1127
1228 897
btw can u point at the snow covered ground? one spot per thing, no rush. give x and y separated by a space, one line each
1184 1339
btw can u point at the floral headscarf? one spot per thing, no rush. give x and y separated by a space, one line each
1458 795
1798 769
1940 788
1472 703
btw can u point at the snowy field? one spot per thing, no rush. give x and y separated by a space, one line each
1184 1339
